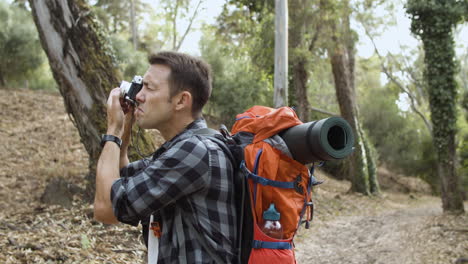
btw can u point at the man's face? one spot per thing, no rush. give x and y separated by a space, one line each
155 109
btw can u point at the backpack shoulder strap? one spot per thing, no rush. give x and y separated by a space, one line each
218 138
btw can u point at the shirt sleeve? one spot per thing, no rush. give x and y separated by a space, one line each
134 167
180 171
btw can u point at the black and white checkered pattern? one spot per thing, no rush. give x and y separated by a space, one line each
188 184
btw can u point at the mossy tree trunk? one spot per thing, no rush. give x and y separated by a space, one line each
83 66
433 22
357 170
299 81
304 33
360 167
299 59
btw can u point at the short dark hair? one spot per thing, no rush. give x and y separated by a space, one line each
187 74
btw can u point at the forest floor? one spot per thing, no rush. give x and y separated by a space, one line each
39 143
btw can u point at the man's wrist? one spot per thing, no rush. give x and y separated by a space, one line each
109 137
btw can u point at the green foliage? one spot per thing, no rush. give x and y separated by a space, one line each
321 89
435 17
237 84
42 78
462 150
254 6
115 15
156 30
462 79
400 138
249 31
20 50
130 61
241 53
463 171
156 34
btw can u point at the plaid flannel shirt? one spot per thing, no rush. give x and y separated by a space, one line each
188 185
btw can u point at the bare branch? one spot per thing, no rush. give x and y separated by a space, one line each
418 83
315 37
399 84
323 111
190 25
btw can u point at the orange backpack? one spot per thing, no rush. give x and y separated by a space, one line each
267 174
273 177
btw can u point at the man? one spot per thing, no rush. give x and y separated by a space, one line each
188 183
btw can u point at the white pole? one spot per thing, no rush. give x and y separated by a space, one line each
281 53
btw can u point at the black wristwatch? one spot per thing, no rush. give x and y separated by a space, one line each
112 138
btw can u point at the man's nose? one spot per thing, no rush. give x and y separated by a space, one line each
140 98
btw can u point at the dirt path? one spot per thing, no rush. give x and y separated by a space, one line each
414 233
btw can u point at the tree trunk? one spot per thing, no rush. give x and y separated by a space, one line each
298 51
371 163
83 67
434 23
360 168
300 78
350 41
2 81
357 169
442 100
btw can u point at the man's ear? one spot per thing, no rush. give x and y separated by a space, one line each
183 100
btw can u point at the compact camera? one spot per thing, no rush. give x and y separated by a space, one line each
130 90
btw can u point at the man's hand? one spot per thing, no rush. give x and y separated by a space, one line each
115 114
129 120
110 159
120 119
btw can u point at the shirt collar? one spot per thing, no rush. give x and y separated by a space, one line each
186 133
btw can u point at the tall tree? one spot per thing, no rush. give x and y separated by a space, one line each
83 67
361 168
433 22
247 25
303 32
117 15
